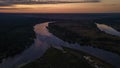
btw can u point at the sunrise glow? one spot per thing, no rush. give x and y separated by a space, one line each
105 6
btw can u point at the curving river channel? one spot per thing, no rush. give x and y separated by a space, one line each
44 40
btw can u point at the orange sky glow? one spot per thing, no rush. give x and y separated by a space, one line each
105 6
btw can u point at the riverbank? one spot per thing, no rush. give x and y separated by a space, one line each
16 34
113 22
92 60
52 41
69 58
54 58
85 33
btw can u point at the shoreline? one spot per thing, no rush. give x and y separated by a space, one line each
70 33
19 34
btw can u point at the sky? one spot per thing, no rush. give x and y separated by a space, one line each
56 6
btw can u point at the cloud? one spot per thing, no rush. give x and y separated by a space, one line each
12 8
12 2
4 3
9 4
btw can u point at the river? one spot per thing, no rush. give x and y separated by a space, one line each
44 40
107 29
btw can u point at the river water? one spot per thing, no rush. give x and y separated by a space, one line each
108 29
44 40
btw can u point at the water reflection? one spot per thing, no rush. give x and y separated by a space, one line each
44 40
108 29
41 29
35 51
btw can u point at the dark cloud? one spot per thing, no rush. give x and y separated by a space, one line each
12 8
12 2
8 8
4 3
